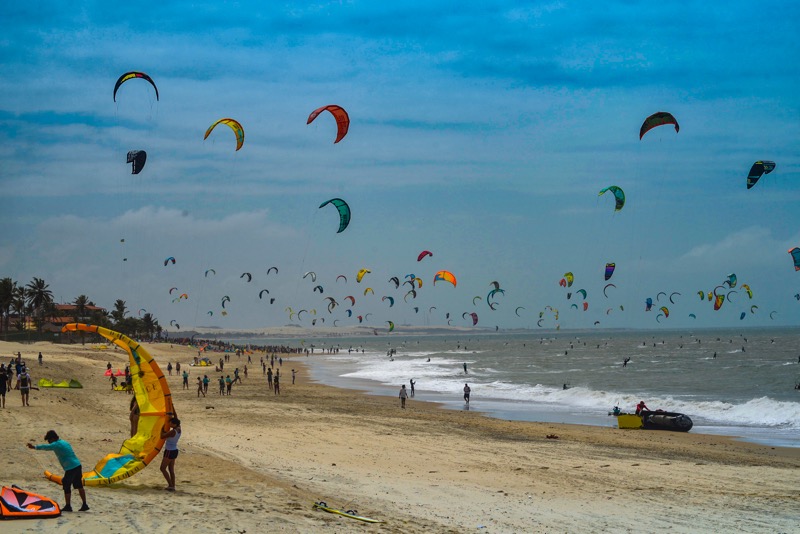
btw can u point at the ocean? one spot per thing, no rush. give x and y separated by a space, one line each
730 382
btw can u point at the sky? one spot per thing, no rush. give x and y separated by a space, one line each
481 132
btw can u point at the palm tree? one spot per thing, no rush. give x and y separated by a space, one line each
80 304
150 324
18 306
39 298
120 311
7 287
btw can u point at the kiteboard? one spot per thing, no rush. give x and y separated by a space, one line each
352 514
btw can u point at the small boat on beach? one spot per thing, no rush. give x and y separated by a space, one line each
656 420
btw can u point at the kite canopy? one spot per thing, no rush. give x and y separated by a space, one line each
131 75
16 503
342 119
447 276
344 212
155 405
234 125
610 270
659 118
138 159
759 169
619 196
795 252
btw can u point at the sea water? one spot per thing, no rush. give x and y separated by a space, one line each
738 383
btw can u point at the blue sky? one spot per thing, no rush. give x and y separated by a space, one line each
482 133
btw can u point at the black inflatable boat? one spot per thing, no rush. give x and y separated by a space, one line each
661 420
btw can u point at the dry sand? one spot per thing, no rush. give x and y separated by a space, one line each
256 462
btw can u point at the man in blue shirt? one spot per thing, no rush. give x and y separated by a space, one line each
73 474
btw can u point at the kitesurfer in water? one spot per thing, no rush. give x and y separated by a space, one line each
170 451
411 381
465 367
73 474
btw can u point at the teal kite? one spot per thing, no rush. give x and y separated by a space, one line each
344 212
619 196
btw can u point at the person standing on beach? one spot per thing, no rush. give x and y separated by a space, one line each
40 358
403 396
276 384
3 385
228 384
221 385
467 391
269 378
294 373
169 368
185 379
73 474
171 436
200 387
206 380
412 386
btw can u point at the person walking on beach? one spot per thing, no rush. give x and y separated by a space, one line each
467 391
171 435
185 379
412 386
294 373
200 387
403 396
169 368
206 380
73 473
24 385
228 384
269 378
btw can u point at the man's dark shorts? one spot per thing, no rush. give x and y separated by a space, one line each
73 479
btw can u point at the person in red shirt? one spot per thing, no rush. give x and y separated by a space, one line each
641 406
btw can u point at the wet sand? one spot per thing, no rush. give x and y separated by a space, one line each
256 462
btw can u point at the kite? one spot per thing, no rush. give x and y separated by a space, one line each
516 312
412 293
585 306
658 119
606 287
234 125
759 169
341 276
131 75
731 281
352 299
718 302
138 159
473 315
172 289
423 254
368 290
742 316
610 270
570 278
672 295
476 297
795 252
344 212
361 274
320 289
225 299
648 303
396 281
184 296
496 284
693 316
665 310
747 289
447 276
342 119
390 299
313 276
210 271
582 292
248 275
268 270
261 293
170 259
619 196
18 503
391 325
658 296
155 406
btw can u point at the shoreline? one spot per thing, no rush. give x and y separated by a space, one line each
259 461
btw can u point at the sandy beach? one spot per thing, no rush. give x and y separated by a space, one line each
256 462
